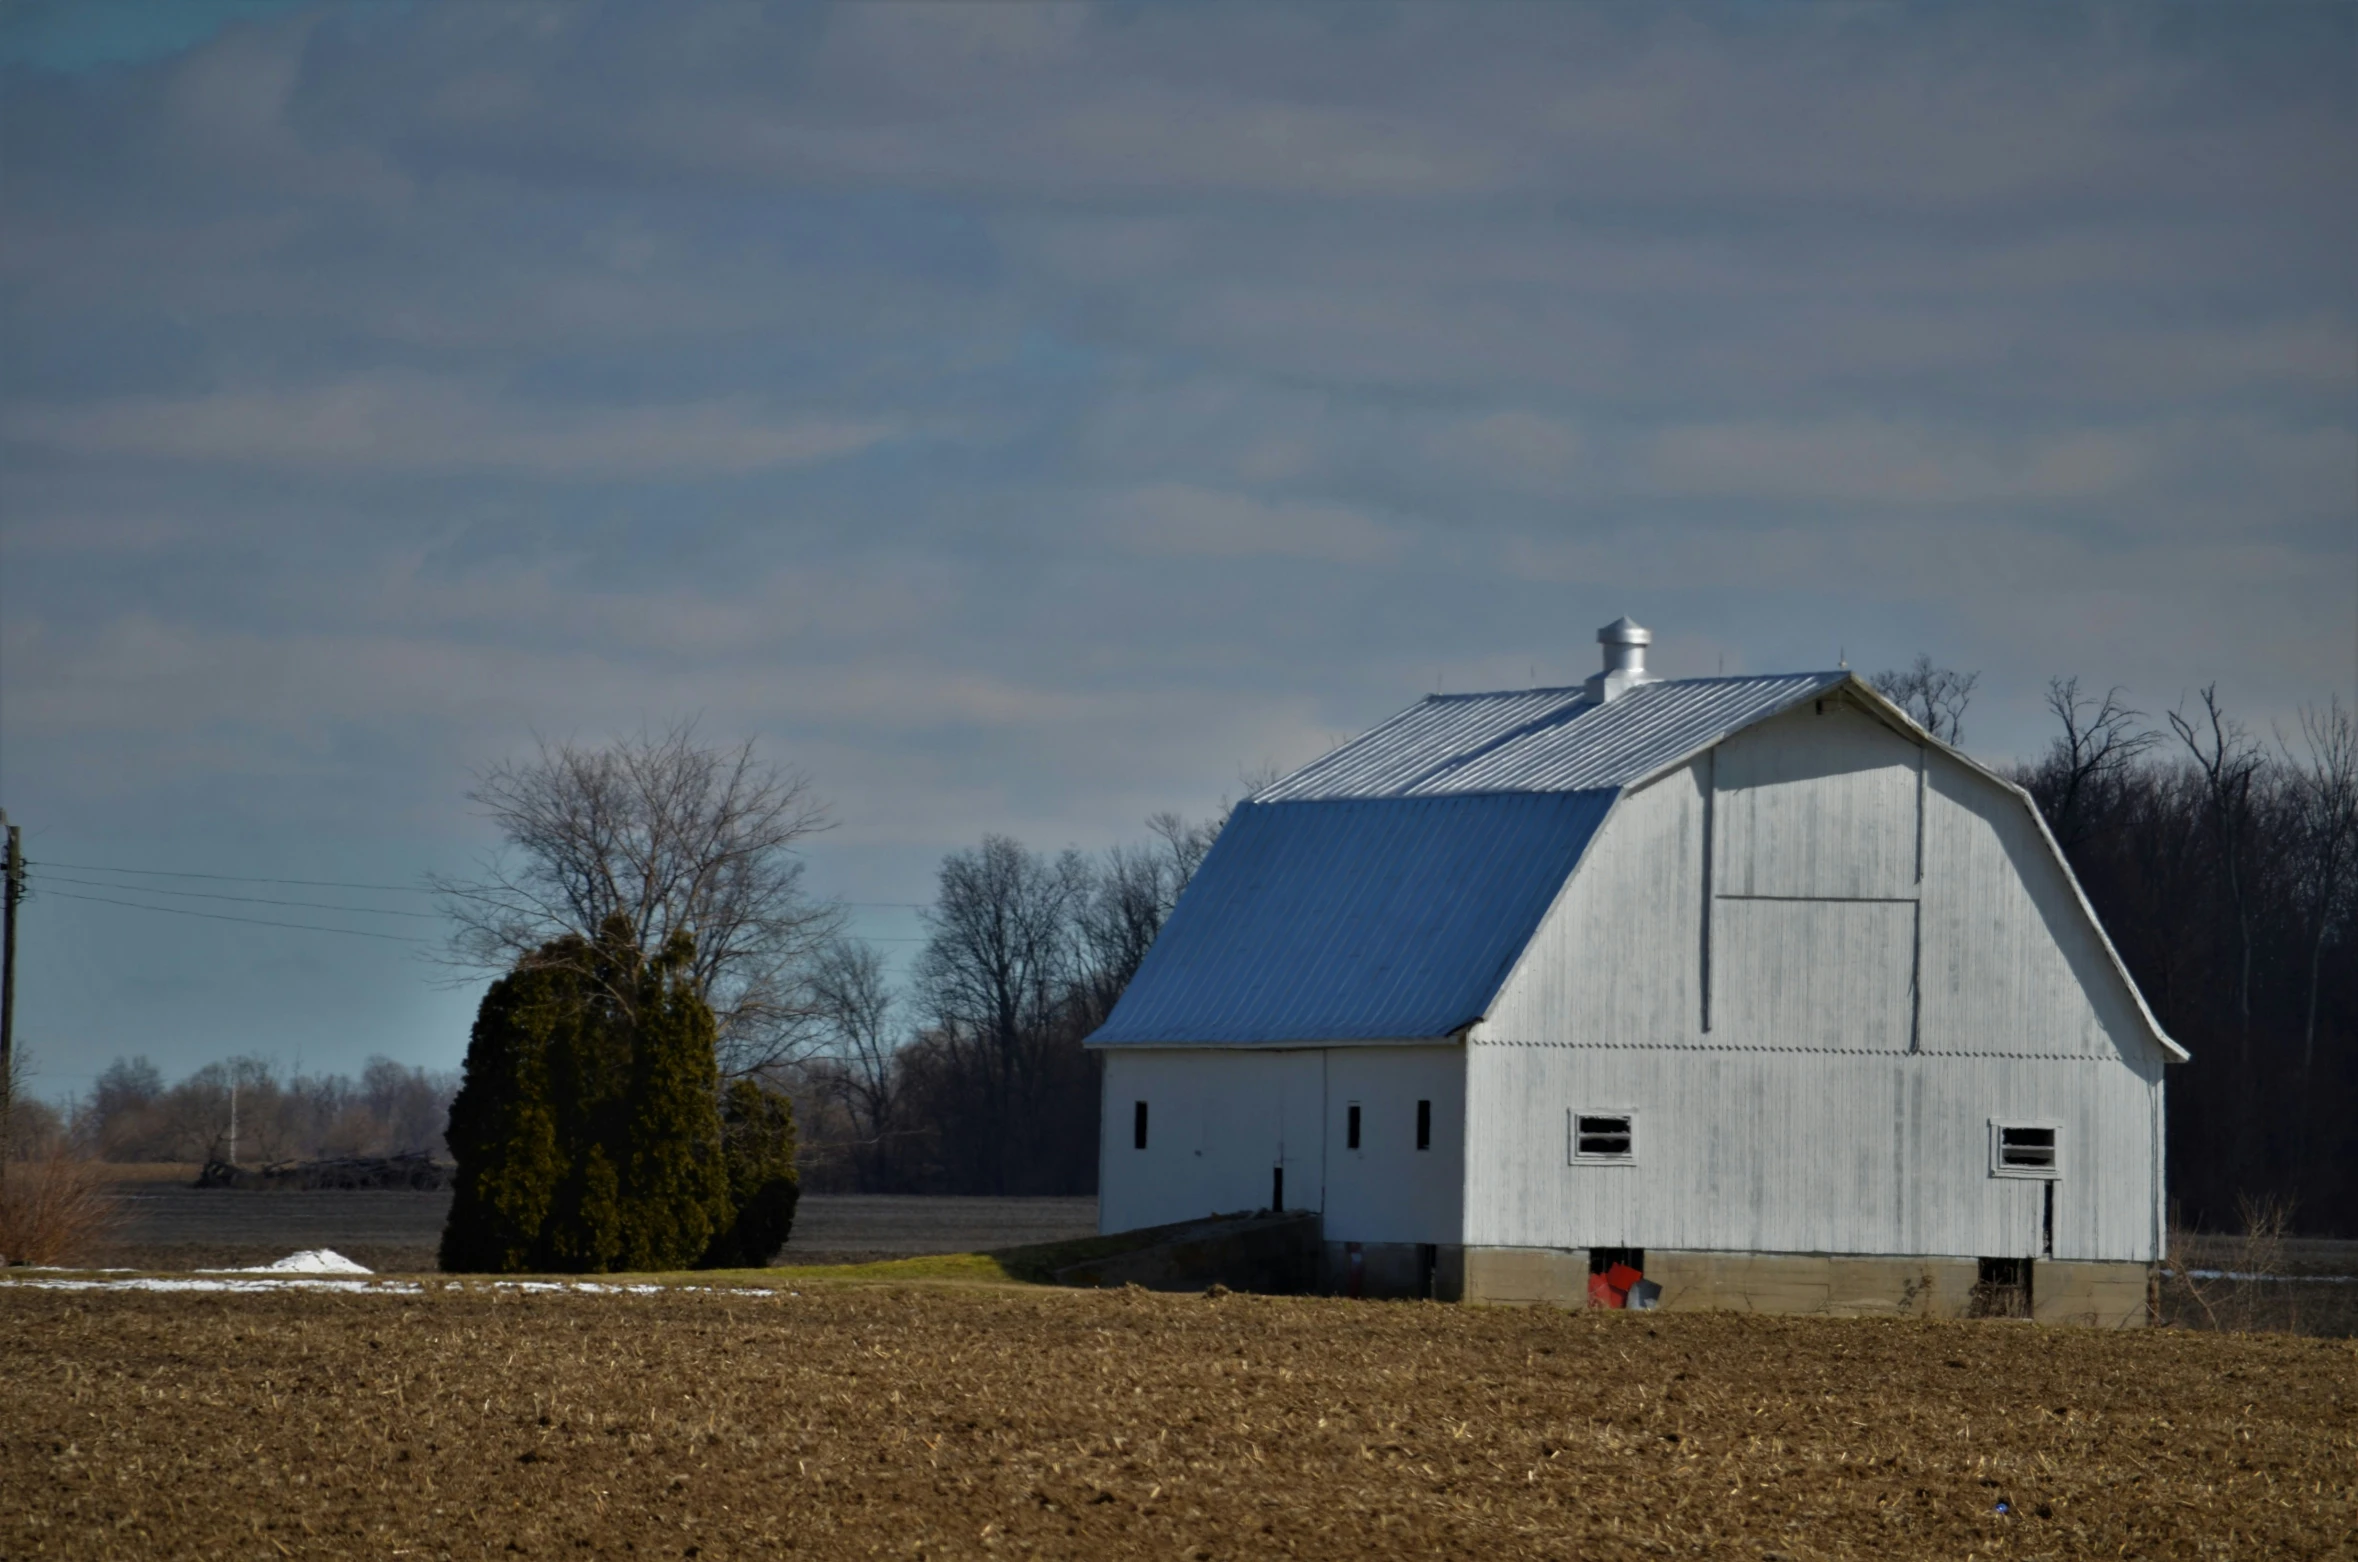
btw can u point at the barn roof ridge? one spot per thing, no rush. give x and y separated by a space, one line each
1545 740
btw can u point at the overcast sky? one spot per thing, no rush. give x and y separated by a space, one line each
1027 419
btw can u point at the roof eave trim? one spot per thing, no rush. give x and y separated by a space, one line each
1454 1036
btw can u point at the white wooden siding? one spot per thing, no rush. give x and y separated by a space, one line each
1807 1153
1388 1190
1616 959
1219 1121
2011 963
1813 974
1863 1027
1820 802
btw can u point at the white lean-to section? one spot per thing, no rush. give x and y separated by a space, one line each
1221 1121
1817 1035
1219 1125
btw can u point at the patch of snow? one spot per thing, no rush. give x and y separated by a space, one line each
311 1261
277 1277
194 1283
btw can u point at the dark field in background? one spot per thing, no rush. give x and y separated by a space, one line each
948 1422
169 1225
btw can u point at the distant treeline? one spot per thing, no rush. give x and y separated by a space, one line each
973 1079
2225 868
133 1115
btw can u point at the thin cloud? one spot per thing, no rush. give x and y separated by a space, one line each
1181 521
412 426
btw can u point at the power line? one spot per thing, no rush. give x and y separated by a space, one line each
223 916
252 900
304 927
401 889
233 878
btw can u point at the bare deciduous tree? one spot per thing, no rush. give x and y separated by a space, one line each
2229 761
2325 808
672 836
2100 742
998 969
860 1070
1135 890
1934 697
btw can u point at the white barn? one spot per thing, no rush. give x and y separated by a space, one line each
1746 983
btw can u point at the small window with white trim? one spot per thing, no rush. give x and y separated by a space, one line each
2022 1149
1604 1136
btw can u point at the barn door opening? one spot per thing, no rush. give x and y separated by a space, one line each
2001 1289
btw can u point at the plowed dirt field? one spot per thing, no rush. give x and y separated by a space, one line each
948 1422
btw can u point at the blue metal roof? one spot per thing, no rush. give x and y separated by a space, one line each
1355 919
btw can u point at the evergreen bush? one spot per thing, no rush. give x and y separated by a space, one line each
757 1138
503 1128
674 1185
589 1130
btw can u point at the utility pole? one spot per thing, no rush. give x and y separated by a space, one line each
12 890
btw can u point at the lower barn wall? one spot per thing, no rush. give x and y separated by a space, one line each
1808 1152
2100 1295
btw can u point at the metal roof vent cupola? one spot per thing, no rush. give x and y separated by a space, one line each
1625 643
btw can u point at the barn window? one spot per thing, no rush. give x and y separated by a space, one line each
1138 1126
1351 1128
2025 1149
1604 1136
1424 1125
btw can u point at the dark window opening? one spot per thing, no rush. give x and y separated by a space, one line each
1351 1128
1277 1188
2026 1149
2002 1289
1604 1136
2047 1223
1424 1125
1602 1259
1138 1126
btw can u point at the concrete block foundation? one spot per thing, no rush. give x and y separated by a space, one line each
2099 1296
2103 1295
1394 1270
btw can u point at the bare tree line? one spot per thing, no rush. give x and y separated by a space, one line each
132 1114
974 1080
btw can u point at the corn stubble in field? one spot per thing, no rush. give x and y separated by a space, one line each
940 1422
